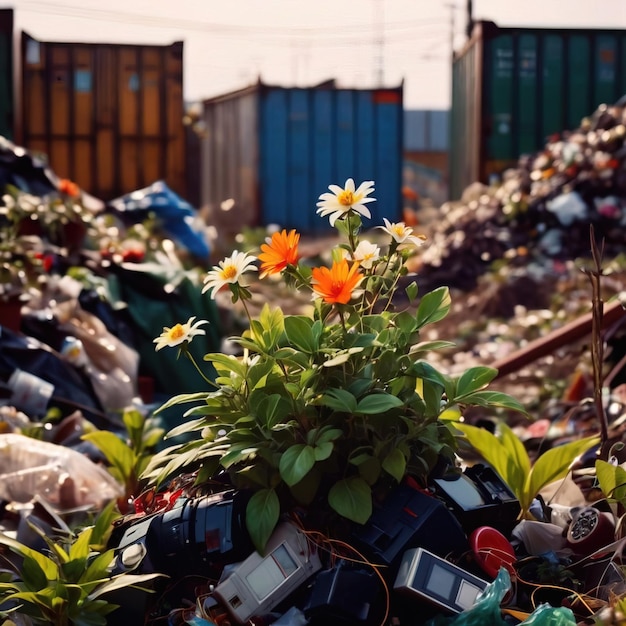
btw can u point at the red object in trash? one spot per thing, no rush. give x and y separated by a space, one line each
492 550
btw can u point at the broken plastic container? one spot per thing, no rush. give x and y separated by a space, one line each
61 476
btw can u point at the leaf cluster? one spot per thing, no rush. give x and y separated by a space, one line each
508 456
324 411
67 582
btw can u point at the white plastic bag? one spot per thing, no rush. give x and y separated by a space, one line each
63 477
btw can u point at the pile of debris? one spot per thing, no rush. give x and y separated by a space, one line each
541 211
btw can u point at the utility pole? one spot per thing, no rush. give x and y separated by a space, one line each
470 19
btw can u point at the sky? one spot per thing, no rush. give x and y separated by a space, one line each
299 43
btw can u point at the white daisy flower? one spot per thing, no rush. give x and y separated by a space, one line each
401 233
345 199
178 333
366 253
228 271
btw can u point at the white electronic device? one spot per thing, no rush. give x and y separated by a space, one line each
429 577
259 583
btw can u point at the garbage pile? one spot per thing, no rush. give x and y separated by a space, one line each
462 549
541 211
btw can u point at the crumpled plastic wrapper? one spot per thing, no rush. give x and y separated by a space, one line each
63 477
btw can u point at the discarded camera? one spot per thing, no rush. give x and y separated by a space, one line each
478 497
428 577
260 583
410 518
191 538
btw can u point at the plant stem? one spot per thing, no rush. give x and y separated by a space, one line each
204 377
597 341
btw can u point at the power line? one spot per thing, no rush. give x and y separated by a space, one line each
218 29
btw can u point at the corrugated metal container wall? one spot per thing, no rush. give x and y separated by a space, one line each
520 85
109 116
229 166
426 130
274 150
6 73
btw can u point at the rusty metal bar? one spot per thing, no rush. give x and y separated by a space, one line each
571 332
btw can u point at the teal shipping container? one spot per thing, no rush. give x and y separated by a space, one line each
6 74
268 153
514 87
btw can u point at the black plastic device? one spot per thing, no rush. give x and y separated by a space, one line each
431 578
410 518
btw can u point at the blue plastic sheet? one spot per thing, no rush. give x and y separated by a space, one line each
176 215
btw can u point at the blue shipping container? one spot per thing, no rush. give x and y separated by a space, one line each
271 151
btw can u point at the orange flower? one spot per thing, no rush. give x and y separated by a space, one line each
279 253
69 188
335 285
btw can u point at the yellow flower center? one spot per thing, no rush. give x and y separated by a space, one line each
346 198
399 230
229 272
176 332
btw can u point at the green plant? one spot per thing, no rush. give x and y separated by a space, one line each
66 583
508 456
128 459
333 408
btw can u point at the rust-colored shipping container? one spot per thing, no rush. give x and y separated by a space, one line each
109 116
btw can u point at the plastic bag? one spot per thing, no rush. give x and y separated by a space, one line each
64 478
486 611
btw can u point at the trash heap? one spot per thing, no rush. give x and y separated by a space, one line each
478 544
540 211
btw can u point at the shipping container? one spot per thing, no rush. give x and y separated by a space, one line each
7 103
269 152
108 116
514 87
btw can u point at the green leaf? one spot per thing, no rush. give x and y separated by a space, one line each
296 462
33 575
369 467
133 419
429 346
98 569
80 547
328 433
262 513
474 379
122 581
48 566
494 399
351 498
406 322
411 291
516 449
117 453
323 450
496 454
181 399
395 464
378 403
612 480
104 524
343 356
186 427
339 400
272 410
433 306
554 464
298 329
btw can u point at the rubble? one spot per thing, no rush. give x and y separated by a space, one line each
508 252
